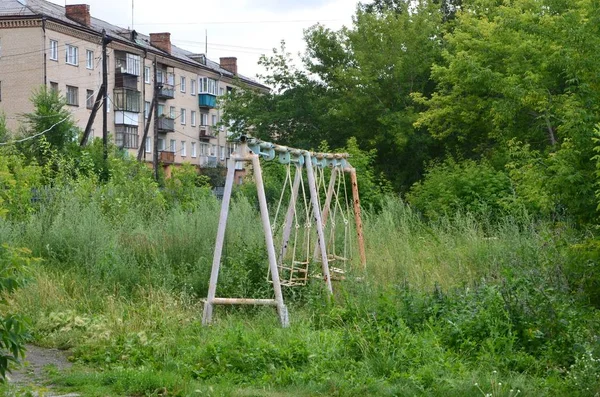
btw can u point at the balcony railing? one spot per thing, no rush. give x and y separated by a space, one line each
166 92
166 157
166 124
127 100
208 101
207 132
208 161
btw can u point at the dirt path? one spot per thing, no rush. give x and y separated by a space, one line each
31 374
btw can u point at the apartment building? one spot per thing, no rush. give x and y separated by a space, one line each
44 44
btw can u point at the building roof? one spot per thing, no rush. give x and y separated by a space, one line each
32 8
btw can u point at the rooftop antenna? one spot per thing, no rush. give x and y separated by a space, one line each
206 42
131 14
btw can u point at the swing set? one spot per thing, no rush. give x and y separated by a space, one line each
311 230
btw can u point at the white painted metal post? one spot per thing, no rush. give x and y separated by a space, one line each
314 197
264 214
214 274
327 205
289 218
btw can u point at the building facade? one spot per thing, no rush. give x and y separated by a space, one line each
44 44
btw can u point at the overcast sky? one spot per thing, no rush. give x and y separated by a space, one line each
241 28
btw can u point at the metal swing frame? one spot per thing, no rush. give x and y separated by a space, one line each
250 151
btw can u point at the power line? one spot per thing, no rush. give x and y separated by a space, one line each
36 135
42 50
241 22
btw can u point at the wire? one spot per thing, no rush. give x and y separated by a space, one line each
42 50
241 22
36 135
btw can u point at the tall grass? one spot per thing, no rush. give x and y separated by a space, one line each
441 307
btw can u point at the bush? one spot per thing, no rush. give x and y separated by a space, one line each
453 187
14 264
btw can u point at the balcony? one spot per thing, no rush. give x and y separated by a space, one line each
207 132
127 71
166 157
166 92
207 101
208 161
166 124
127 100
130 64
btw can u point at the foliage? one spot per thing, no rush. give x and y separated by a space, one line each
186 187
19 184
357 85
467 186
14 265
51 115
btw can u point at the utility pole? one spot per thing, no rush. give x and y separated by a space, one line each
147 127
90 123
105 41
157 88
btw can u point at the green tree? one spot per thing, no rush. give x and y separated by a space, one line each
54 122
523 70
358 83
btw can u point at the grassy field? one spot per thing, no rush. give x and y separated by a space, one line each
452 308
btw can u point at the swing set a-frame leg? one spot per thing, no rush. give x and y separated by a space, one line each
314 197
214 276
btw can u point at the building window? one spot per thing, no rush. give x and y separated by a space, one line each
182 84
183 149
172 112
147 74
72 55
54 86
148 145
203 119
193 118
222 152
213 150
193 86
147 110
53 50
131 64
221 91
173 145
72 96
161 144
208 86
126 137
193 149
182 116
89 99
89 59
161 110
127 100
214 119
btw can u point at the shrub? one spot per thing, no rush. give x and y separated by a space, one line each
468 186
14 264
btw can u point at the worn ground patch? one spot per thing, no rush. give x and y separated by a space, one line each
31 377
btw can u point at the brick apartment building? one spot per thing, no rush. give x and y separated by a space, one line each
42 43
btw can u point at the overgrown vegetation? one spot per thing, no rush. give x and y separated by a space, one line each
482 276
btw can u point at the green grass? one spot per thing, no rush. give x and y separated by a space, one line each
451 308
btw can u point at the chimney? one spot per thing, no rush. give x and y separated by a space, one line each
229 63
79 13
161 41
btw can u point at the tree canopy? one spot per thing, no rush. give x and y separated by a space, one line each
512 85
